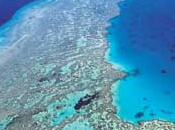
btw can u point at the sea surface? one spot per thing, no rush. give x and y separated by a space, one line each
9 7
142 42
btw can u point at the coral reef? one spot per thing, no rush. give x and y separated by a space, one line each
56 61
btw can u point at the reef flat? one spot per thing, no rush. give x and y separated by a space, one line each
53 75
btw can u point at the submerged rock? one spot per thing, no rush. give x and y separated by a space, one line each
145 99
139 115
152 114
163 71
43 79
166 111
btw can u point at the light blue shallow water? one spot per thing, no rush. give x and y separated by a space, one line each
142 40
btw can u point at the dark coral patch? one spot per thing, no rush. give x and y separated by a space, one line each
172 58
166 112
145 99
135 72
152 114
86 100
43 79
163 71
167 92
145 107
139 115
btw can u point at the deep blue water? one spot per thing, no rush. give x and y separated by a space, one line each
9 7
142 40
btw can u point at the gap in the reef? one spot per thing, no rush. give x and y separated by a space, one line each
142 39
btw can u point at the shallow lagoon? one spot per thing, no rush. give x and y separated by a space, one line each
142 41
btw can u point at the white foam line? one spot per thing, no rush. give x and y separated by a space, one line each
10 51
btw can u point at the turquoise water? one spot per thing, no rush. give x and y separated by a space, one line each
142 41
60 110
